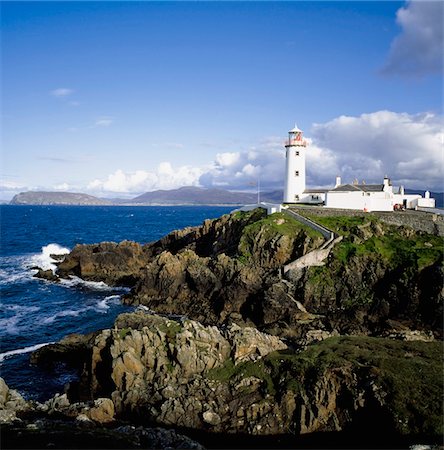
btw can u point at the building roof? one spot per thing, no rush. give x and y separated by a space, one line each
295 129
315 191
358 187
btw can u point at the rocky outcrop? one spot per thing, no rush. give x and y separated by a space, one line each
84 434
11 403
114 264
229 271
239 380
58 423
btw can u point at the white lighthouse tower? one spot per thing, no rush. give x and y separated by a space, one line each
295 166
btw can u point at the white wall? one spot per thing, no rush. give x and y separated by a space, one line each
426 202
361 201
345 200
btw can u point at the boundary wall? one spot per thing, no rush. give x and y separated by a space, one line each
428 222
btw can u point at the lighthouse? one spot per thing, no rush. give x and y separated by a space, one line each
295 166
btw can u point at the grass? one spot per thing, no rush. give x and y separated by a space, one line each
124 332
270 227
171 328
229 371
409 374
394 247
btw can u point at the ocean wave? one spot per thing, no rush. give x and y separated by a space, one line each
13 270
101 306
74 281
44 260
10 325
108 301
20 351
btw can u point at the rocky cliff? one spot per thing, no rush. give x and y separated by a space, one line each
239 380
251 350
378 278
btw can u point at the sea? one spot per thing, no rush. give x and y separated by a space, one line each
35 312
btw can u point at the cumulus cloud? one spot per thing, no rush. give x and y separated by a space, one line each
406 147
241 170
418 49
103 121
61 92
164 177
62 187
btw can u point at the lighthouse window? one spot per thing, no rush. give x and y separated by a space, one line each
296 173
296 197
296 153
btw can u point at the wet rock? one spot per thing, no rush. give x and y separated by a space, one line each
47 275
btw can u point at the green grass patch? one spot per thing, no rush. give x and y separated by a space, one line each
124 332
410 373
269 228
170 328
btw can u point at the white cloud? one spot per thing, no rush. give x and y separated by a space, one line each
418 49
164 177
61 92
406 147
104 121
62 187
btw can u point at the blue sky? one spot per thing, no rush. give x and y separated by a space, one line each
117 98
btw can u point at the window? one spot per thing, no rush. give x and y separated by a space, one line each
296 197
296 152
296 173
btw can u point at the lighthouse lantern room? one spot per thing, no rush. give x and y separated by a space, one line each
295 166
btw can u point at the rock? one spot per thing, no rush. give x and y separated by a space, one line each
211 418
102 411
249 344
11 403
47 275
83 434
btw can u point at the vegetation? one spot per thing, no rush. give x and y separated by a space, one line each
269 228
170 328
409 374
366 235
124 332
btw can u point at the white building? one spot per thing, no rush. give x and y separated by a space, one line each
294 189
364 197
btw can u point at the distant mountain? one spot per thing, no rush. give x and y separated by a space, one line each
56 198
438 196
191 195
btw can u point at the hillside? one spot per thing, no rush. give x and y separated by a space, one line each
56 198
191 195
227 342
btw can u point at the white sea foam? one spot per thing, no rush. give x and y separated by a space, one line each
108 301
67 313
74 281
20 351
101 306
10 325
14 270
44 260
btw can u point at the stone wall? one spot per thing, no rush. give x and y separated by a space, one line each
418 220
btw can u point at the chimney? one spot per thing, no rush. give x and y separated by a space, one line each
338 181
427 194
401 190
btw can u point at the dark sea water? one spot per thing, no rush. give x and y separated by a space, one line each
35 312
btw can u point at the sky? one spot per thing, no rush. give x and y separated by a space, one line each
118 98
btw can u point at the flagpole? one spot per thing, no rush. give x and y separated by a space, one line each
258 191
